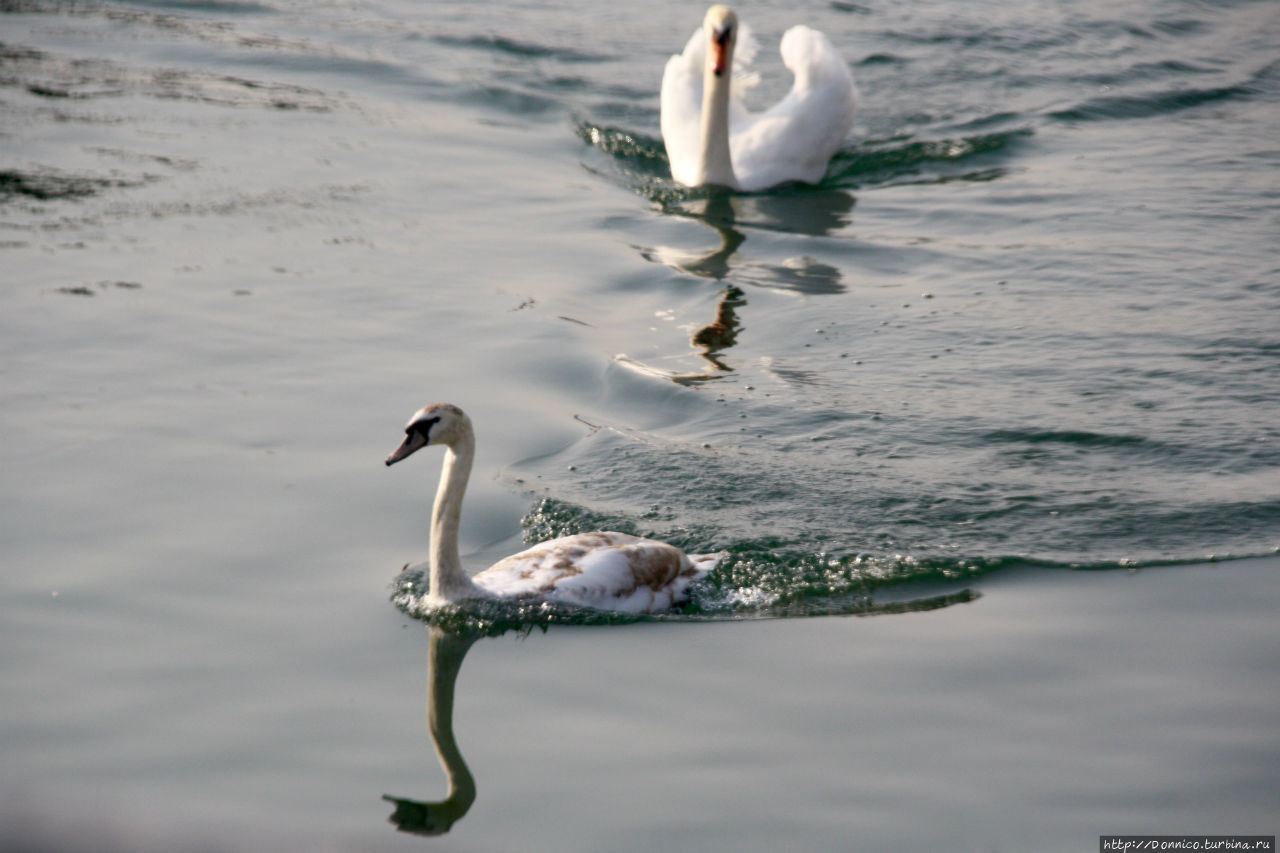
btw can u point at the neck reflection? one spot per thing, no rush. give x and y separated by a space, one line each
436 817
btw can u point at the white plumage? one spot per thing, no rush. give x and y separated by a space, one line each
606 571
712 139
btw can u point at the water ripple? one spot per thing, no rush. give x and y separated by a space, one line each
1124 106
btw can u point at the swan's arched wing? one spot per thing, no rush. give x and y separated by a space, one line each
641 577
681 108
535 571
607 571
794 140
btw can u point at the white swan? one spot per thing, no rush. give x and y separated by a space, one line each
712 139
607 571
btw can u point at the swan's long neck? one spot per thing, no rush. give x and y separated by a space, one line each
716 166
448 579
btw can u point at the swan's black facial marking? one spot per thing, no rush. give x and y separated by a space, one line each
422 428
417 435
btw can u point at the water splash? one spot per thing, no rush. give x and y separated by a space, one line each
757 579
640 161
711 600
763 579
910 160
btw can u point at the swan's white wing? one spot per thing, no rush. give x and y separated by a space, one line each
608 571
795 139
681 108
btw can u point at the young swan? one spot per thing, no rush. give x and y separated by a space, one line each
711 138
606 571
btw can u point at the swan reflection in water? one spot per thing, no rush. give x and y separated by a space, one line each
801 211
435 817
445 653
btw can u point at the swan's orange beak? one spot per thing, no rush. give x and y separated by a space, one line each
720 52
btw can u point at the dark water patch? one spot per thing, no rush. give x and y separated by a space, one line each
851 8
1179 26
977 176
45 75
875 59
1189 450
1251 526
1142 71
1266 77
1002 121
316 198
884 485
77 79
43 90
413 81
965 35
617 105
521 101
178 163
516 47
13 53
51 185
233 91
1236 349
931 161
86 290
132 15
209 7
200 21
1151 105
566 83
1072 437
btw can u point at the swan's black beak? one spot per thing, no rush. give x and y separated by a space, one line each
413 441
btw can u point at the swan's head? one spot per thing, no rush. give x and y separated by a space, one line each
439 423
721 28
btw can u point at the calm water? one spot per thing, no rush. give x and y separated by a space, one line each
1026 326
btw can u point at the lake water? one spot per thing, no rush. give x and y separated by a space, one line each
990 429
